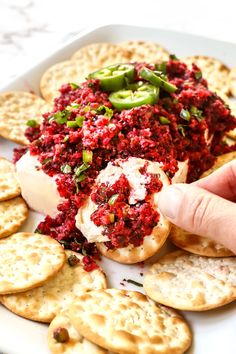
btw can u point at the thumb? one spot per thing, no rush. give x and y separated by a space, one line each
200 212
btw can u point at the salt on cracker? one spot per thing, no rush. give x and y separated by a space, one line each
76 343
232 106
214 71
99 55
13 214
143 51
9 185
62 73
28 260
232 81
221 160
197 244
45 302
190 282
16 108
151 243
128 322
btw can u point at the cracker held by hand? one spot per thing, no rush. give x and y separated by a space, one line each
197 244
9 186
157 232
13 214
75 343
16 109
45 302
28 260
190 282
220 161
127 322
214 71
145 51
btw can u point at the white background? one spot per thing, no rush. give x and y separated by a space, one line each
32 29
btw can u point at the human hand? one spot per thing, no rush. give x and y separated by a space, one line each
206 207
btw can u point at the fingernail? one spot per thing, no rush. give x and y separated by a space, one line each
169 201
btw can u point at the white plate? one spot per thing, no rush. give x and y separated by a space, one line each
214 331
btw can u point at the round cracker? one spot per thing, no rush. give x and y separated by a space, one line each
214 71
62 73
99 55
220 161
28 260
143 51
76 343
232 133
16 108
13 214
232 81
45 302
151 243
190 282
196 244
128 322
9 185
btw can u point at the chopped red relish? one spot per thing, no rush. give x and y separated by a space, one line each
123 223
137 132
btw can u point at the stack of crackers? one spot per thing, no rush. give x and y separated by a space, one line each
41 281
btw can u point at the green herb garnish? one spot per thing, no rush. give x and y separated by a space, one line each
32 123
81 169
65 169
73 260
66 138
198 75
79 120
87 156
161 67
72 124
164 120
113 199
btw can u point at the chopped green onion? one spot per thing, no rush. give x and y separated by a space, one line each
81 169
164 120
86 109
113 198
197 113
106 111
173 57
133 282
72 124
66 138
181 129
32 123
87 156
37 231
81 177
79 120
47 160
198 75
74 86
66 169
184 114
60 117
75 105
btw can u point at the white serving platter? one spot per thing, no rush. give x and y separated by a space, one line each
214 331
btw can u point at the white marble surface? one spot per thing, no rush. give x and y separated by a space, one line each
31 29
